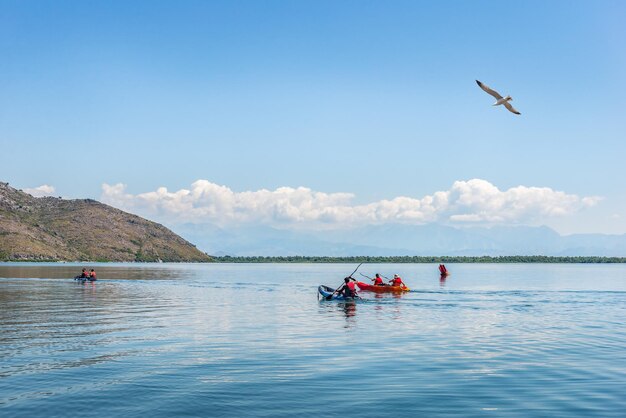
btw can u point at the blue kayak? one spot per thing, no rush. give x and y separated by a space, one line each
326 291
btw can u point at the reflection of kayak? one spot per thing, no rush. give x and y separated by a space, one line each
326 291
381 289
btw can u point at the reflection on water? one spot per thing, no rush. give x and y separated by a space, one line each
349 309
344 309
442 280
253 340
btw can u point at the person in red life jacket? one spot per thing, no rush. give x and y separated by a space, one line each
378 281
443 270
92 275
348 289
83 275
397 281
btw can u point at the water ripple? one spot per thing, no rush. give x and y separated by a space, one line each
249 340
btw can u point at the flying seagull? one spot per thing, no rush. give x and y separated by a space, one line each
499 99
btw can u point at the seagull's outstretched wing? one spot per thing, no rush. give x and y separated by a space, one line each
511 108
488 90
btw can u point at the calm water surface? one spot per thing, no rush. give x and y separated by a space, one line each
252 340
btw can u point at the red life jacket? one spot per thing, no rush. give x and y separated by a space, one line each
396 281
92 274
378 281
351 285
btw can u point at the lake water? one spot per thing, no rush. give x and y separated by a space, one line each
252 340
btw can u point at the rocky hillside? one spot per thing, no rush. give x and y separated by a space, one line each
50 228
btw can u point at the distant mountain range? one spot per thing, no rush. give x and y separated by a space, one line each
390 240
50 228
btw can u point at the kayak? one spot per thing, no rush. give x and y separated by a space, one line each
381 289
326 291
84 279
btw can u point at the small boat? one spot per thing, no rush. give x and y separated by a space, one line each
85 279
326 291
382 289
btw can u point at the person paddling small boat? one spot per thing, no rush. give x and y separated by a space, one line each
86 276
397 281
348 288
378 281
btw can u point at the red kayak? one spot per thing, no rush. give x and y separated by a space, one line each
381 289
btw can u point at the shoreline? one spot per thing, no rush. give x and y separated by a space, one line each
517 259
425 259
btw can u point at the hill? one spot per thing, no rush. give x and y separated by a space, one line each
50 228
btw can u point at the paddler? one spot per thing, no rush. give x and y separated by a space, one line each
397 281
443 270
348 289
92 275
83 275
378 281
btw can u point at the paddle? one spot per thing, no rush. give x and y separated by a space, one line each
366 276
329 297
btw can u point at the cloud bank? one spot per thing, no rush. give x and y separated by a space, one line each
474 201
40 191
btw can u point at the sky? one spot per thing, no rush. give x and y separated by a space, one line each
306 113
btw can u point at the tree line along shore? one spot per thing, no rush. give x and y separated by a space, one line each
366 259
420 259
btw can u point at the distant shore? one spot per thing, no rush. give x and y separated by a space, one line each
421 259
365 259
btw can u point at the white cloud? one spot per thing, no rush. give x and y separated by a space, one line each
472 201
43 190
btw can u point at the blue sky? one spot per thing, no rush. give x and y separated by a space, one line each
374 99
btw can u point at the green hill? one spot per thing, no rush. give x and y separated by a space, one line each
50 228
